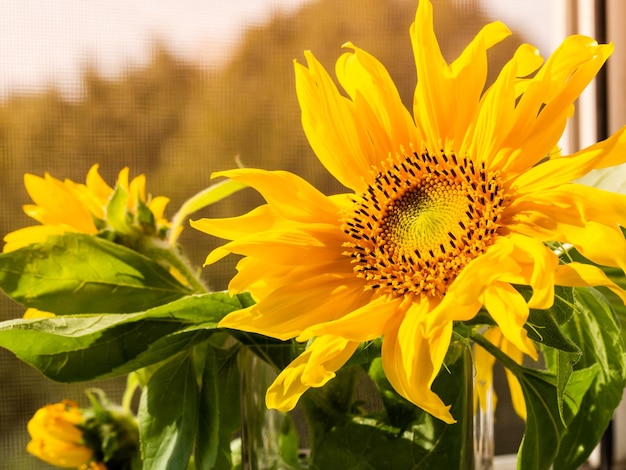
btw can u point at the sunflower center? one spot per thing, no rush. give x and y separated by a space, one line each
421 221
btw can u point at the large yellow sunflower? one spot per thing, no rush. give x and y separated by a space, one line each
447 210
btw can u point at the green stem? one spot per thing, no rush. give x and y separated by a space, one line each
495 351
132 384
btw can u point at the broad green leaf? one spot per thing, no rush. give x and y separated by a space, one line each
84 347
544 427
168 415
228 393
564 369
207 439
364 444
595 329
78 273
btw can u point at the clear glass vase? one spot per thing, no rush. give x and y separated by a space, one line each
483 430
260 426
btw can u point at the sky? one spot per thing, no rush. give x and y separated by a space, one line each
46 42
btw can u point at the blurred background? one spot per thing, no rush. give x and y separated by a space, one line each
179 89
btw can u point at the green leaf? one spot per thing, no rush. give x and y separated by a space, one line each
543 326
371 443
289 443
207 439
544 424
595 329
400 412
229 404
78 273
168 417
85 347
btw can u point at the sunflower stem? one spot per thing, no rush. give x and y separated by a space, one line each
495 351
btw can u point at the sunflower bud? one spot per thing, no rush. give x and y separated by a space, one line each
56 437
103 436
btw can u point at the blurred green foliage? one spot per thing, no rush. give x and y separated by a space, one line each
178 122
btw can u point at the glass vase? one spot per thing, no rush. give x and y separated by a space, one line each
483 430
260 426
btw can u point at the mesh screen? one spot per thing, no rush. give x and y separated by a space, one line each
177 96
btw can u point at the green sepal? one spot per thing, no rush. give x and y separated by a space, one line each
117 216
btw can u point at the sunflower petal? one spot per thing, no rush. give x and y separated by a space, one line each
313 368
585 275
510 311
446 97
412 361
330 124
376 100
289 195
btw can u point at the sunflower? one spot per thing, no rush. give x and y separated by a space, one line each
447 210
56 435
66 206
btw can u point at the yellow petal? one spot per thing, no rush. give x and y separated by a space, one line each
483 271
363 324
33 313
313 368
57 203
288 194
157 206
283 315
554 172
515 389
377 101
483 363
412 361
35 234
537 264
510 311
543 109
260 219
446 97
329 122
497 110
584 275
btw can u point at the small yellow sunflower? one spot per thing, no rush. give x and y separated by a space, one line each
66 206
56 437
448 209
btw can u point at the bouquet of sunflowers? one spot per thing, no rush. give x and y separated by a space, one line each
462 238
